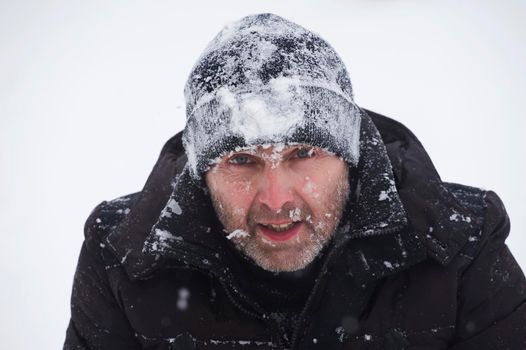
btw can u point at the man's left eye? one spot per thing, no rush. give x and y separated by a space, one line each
305 153
240 159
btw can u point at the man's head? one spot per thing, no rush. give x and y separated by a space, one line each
272 128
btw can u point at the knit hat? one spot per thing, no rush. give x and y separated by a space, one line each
266 80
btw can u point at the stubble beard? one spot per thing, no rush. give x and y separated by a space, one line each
295 253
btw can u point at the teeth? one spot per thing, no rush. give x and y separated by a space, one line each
279 228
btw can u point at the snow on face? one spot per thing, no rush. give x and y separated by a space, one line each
237 234
310 187
277 196
295 214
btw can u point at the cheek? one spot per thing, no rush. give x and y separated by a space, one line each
310 188
237 197
241 195
239 212
319 187
323 195
241 187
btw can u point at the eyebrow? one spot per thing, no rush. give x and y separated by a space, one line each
253 151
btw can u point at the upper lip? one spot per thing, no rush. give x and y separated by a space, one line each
280 227
278 222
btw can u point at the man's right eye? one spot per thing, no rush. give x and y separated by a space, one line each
240 159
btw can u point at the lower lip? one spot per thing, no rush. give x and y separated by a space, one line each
280 236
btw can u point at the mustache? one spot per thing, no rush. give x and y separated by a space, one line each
287 212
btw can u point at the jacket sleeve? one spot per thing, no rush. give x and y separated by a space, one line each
97 321
492 294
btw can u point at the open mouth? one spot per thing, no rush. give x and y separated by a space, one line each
280 232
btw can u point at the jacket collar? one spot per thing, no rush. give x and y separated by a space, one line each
400 213
435 213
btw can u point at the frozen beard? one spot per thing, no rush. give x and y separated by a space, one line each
317 224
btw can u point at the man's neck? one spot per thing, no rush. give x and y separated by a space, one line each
278 290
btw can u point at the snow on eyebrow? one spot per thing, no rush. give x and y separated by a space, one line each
217 160
275 156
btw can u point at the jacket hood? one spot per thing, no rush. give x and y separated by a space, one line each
400 212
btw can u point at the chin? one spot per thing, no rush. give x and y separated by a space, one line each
289 260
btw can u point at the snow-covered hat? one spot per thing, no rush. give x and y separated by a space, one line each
264 80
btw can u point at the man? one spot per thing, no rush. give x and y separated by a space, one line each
287 217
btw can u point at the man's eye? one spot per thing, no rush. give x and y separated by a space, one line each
305 153
240 159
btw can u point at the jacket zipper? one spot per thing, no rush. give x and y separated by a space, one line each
273 327
322 276
260 317
323 272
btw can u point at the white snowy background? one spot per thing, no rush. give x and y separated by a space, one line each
90 91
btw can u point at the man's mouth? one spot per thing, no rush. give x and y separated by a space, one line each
279 228
280 232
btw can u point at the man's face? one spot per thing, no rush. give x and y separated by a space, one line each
279 205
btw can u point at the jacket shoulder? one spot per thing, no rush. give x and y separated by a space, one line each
106 216
491 294
492 221
470 197
496 223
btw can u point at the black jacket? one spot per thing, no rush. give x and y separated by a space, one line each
425 269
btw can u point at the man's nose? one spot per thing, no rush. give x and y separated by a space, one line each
275 189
